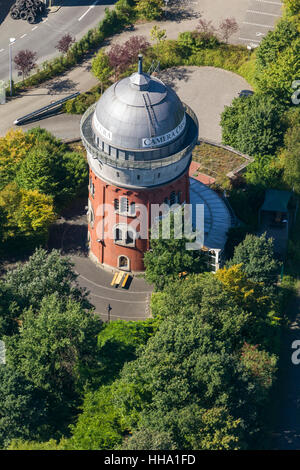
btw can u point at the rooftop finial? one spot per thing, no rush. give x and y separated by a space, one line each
140 68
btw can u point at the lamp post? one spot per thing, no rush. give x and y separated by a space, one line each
11 41
109 308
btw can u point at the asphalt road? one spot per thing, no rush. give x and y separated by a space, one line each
63 126
75 17
131 304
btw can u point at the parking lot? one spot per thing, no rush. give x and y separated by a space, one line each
260 18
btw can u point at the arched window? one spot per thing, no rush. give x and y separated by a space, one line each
124 235
123 262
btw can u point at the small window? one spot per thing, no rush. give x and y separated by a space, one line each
118 235
138 177
123 262
91 217
124 205
91 187
129 237
116 204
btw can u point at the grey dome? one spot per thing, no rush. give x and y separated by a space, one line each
139 113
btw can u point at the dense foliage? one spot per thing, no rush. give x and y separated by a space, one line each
259 116
169 257
213 340
39 176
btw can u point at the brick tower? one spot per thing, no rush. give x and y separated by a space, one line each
139 139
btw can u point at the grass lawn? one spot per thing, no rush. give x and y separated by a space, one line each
216 162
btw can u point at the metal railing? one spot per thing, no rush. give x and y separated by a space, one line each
87 135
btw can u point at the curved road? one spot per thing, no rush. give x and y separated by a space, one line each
75 17
131 304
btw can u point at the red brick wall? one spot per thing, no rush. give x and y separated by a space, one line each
107 251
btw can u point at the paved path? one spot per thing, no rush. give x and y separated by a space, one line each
287 403
128 305
65 126
206 89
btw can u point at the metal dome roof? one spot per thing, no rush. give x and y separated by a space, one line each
139 112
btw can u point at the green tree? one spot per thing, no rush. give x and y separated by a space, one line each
149 9
292 6
256 255
101 68
265 171
53 345
169 257
61 175
275 42
276 80
157 34
23 408
42 275
253 125
118 342
14 147
290 157
28 215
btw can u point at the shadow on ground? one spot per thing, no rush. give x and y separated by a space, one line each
69 232
58 86
5 6
178 11
169 76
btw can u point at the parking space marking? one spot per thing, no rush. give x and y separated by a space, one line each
33 28
257 24
23 36
271 3
263 13
248 39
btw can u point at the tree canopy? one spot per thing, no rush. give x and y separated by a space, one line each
253 125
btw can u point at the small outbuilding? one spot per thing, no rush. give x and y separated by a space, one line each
274 218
